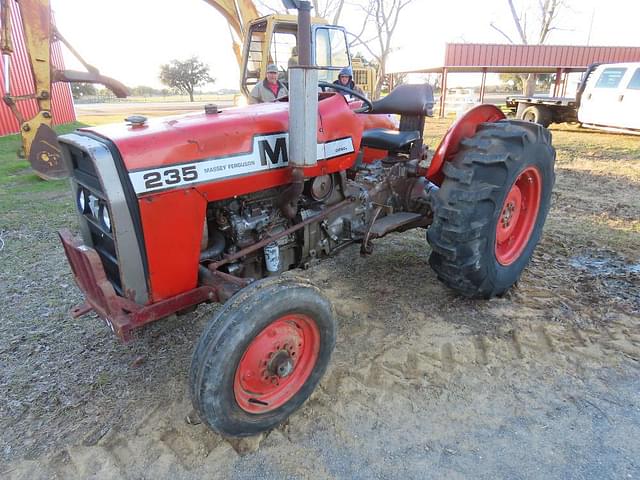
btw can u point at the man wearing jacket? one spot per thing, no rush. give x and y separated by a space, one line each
345 79
270 89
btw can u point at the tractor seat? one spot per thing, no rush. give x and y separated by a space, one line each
391 140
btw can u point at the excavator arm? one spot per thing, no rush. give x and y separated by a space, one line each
238 14
39 141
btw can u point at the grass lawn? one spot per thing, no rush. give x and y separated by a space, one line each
25 196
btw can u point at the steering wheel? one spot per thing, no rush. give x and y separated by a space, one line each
367 107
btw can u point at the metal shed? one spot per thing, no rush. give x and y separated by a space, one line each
503 58
22 83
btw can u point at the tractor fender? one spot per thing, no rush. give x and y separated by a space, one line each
463 127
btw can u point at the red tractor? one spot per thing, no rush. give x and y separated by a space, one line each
213 206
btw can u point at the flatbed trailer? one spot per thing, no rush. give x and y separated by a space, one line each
547 110
544 110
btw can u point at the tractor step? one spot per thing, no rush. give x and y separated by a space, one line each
394 222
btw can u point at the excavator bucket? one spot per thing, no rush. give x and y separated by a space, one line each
45 155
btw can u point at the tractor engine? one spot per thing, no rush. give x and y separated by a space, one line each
376 191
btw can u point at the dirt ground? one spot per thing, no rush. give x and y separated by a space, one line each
542 383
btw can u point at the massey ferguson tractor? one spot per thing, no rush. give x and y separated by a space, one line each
214 206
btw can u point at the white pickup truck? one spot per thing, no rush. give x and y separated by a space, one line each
608 98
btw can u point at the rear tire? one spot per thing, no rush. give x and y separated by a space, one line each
491 207
537 114
261 356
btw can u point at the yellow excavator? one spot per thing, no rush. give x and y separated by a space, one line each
262 40
39 142
257 41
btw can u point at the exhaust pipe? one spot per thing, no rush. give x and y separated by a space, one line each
303 113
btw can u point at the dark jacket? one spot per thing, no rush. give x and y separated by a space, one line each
351 85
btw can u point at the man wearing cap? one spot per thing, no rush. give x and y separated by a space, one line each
270 89
345 79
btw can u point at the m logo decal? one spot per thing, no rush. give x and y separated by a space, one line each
276 155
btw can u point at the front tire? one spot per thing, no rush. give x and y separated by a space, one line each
491 207
261 356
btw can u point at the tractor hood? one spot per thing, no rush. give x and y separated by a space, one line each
195 136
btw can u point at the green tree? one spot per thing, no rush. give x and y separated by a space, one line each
79 90
144 91
185 76
512 80
545 80
515 82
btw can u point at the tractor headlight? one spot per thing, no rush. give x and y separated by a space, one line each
94 205
103 216
82 201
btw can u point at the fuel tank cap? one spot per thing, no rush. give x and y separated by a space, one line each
211 109
136 120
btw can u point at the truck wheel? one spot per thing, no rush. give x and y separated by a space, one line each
537 114
261 356
491 207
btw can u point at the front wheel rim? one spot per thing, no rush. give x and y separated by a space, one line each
277 363
518 216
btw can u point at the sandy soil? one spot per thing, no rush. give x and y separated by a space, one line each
542 383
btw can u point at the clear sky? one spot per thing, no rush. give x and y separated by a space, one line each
130 39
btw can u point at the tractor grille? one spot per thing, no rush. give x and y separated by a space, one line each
100 237
84 171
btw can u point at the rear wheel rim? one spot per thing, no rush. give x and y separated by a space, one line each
277 363
529 117
518 216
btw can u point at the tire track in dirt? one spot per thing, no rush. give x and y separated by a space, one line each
528 343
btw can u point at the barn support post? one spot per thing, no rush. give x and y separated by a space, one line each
483 84
556 87
443 93
565 82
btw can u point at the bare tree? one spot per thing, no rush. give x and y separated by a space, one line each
381 20
545 15
329 9
379 23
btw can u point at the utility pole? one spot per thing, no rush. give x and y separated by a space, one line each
593 14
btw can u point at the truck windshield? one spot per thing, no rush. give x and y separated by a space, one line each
634 83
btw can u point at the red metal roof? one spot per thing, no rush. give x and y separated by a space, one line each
22 82
476 57
549 56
